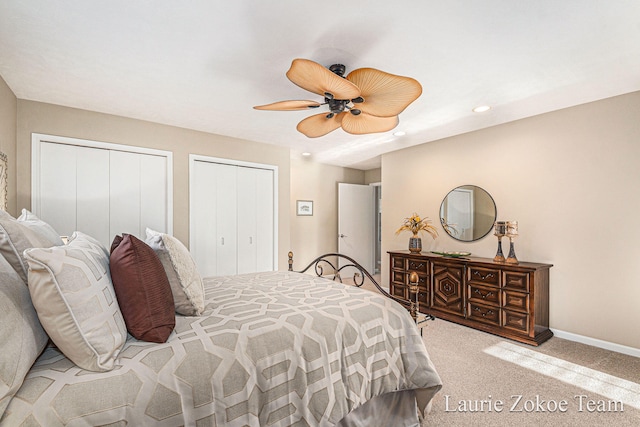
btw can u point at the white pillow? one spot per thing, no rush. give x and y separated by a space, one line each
16 236
186 282
72 292
30 220
21 334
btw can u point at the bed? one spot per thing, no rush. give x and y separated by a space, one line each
269 349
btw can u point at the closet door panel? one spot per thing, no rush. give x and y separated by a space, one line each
203 225
153 196
264 220
124 196
247 220
58 187
92 193
226 219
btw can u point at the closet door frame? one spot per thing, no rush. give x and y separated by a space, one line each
197 157
37 139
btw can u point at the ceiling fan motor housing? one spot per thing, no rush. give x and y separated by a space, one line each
338 69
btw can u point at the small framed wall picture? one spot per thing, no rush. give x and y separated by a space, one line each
304 207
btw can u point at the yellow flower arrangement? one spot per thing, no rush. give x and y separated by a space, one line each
415 224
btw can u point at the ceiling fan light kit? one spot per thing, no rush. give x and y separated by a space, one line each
365 101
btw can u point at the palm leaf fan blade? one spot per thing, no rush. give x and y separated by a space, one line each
288 105
384 94
315 78
365 123
319 125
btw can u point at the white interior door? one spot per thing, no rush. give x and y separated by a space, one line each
356 223
459 208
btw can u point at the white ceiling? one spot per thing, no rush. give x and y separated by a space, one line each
204 64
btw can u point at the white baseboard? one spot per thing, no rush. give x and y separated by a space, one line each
619 348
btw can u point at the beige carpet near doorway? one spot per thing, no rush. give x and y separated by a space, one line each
476 366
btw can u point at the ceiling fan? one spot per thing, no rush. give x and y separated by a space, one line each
365 101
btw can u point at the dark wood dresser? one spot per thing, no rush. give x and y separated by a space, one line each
503 299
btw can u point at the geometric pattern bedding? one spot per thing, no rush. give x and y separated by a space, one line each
270 349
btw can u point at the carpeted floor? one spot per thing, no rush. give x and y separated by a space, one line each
560 383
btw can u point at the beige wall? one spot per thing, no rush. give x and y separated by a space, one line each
56 120
315 235
373 176
571 180
8 112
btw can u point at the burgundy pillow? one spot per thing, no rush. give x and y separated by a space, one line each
142 288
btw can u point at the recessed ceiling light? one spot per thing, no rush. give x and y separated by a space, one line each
399 133
306 154
481 109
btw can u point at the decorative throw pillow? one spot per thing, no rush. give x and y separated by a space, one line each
31 221
16 236
21 334
72 292
186 283
142 288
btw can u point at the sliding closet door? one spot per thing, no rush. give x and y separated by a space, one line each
255 236
203 201
225 216
100 189
138 190
58 187
93 194
232 216
74 188
214 218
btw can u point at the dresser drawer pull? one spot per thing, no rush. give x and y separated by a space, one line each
485 314
483 276
488 294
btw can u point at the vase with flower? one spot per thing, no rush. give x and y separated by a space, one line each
415 224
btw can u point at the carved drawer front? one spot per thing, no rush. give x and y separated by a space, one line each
397 262
515 300
516 321
417 266
484 295
398 277
423 299
484 276
483 313
399 291
448 288
516 280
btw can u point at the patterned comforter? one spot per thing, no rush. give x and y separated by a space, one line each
277 348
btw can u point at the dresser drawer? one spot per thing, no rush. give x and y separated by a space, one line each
483 313
516 280
398 277
483 276
400 291
398 262
484 295
513 300
420 267
515 321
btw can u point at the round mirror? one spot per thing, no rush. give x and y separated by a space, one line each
468 213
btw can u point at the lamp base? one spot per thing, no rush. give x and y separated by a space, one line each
499 255
511 258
